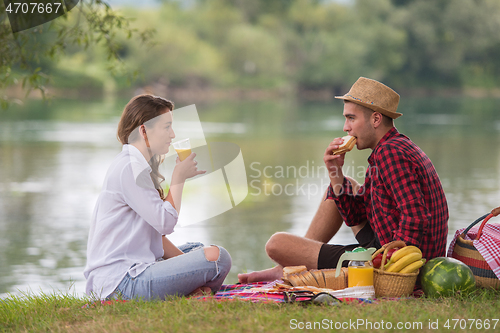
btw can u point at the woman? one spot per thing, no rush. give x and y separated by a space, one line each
128 255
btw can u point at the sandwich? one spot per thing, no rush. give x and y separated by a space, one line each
349 142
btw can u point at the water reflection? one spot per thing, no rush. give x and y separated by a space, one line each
52 168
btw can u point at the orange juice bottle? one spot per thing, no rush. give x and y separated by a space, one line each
360 269
359 276
183 153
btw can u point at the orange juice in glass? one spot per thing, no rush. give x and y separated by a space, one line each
183 148
183 153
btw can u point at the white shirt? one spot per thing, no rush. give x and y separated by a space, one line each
128 222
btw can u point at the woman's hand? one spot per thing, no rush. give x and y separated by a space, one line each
182 171
187 168
169 249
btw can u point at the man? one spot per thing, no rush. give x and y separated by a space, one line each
401 198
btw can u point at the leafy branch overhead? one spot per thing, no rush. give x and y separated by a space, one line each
26 57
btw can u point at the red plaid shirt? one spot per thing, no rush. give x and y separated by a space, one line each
402 197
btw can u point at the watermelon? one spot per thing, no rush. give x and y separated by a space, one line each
444 276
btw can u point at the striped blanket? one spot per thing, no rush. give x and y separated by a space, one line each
260 292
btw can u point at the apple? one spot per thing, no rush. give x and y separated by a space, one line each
377 261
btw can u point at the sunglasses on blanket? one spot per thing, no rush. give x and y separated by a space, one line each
309 297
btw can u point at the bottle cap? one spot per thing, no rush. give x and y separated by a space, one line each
358 254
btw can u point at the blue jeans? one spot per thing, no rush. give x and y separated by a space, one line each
177 276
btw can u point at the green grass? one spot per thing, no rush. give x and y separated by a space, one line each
55 313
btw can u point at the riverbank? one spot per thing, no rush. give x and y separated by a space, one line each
205 94
66 313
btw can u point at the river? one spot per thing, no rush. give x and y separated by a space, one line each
53 159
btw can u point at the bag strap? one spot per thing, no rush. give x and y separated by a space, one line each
486 218
473 224
480 231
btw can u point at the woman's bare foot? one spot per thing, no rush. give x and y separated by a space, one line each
269 274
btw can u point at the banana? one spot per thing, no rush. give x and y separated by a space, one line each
411 268
396 256
405 261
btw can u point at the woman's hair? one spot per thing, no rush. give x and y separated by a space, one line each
140 110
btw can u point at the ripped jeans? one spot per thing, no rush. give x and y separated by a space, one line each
177 276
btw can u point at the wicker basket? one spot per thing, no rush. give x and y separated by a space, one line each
388 284
465 251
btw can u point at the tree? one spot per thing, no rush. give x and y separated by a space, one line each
26 56
450 42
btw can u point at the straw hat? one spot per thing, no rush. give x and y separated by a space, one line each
375 96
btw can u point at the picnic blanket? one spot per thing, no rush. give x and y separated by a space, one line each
488 245
264 292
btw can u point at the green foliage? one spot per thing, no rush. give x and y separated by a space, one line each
450 42
179 57
28 56
318 44
251 52
260 44
344 43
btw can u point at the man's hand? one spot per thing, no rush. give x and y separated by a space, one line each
334 165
